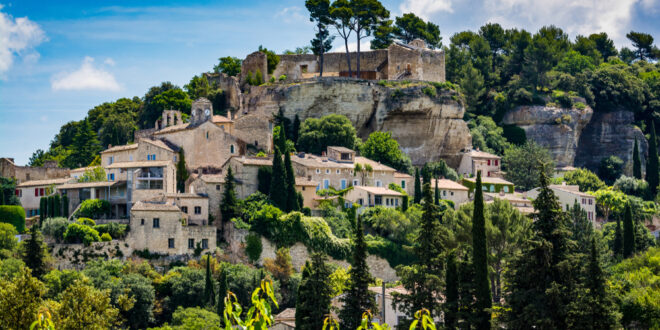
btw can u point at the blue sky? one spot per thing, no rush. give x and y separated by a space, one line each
58 59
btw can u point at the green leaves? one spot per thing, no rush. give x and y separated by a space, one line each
259 314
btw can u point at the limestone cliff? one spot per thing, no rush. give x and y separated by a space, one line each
557 129
426 121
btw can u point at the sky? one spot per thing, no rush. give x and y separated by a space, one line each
58 59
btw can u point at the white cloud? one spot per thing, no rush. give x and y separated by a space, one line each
352 46
109 61
426 8
87 77
18 37
292 15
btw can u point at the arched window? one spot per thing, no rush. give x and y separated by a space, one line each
231 149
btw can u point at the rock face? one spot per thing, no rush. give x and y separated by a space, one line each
610 133
557 129
428 127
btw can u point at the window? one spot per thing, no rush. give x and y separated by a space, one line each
488 162
191 243
141 222
270 125
387 201
451 193
198 210
303 188
156 223
318 187
205 243
338 171
207 135
584 201
19 193
303 68
444 193
396 202
492 188
378 183
326 184
591 201
318 171
150 178
42 192
356 183
497 162
506 189
231 149
361 201
327 171
170 243
111 177
111 160
217 187
403 184
184 209
378 200
343 183
175 158
130 158
36 192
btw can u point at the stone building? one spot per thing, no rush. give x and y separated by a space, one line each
405 181
568 195
517 200
27 173
212 186
373 196
450 190
30 193
489 184
195 207
245 171
308 190
474 161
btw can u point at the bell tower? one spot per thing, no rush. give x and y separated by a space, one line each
201 111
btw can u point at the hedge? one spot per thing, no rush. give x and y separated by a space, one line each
77 233
106 237
115 230
253 247
93 208
395 254
13 214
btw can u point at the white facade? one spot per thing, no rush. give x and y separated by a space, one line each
567 195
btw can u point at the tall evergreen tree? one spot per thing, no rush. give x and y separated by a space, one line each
652 163
319 11
357 298
436 200
84 148
34 253
278 191
314 294
451 292
295 129
223 287
57 206
637 163
291 193
209 296
582 228
51 206
181 172
418 188
480 253
229 203
628 233
280 140
618 239
65 206
43 209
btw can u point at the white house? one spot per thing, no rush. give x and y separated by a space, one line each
567 195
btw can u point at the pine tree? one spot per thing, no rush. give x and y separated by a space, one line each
209 296
582 228
34 253
637 163
451 292
85 146
437 192
229 204
181 172
65 206
357 298
278 191
280 142
480 260
652 163
314 294
628 233
295 129
618 240
223 287
601 310
418 188
466 303
291 193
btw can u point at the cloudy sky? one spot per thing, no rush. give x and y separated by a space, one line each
58 59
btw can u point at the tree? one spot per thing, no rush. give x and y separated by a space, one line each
272 59
331 130
363 171
264 176
610 169
291 193
637 163
34 253
410 27
209 296
343 18
181 172
231 66
480 260
319 13
314 294
229 204
278 183
652 169
20 298
585 179
604 45
643 43
280 138
628 233
368 15
8 192
195 318
37 158
383 36
357 298
521 164
381 147
84 148
418 188
84 307
618 240
223 288
295 129
451 292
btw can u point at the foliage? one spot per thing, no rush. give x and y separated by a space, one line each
610 169
409 27
522 164
20 298
105 237
7 192
381 147
93 208
83 307
637 163
331 130
259 315
631 186
253 246
610 201
8 240
314 294
388 223
86 222
34 253
487 136
585 179
95 174
229 203
14 215
181 172
652 167
281 266
195 318
628 233
271 58
634 281
396 253
115 230
264 176
231 66
278 184
77 233
480 260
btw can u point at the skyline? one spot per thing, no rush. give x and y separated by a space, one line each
58 61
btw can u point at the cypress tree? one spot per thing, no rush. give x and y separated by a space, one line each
57 206
601 310
357 299
404 203
437 192
314 294
628 233
34 253
291 193
209 296
418 188
223 287
280 142
181 172
264 175
229 203
483 298
278 189
451 292
65 206
51 206
637 163
295 129
43 209
618 239
652 163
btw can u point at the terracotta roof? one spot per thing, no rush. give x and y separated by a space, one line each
388 291
509 197
97 184
341 149
573 189
221 119
489 179
158 143
287 314
301 181
256 161
313 161
155 163
185 195
402 175
47 182
83 169
143 206
480 154
448 184
121 148
379 190
375 165
173 128
212 178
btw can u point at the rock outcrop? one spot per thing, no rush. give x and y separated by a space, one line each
557 129
425 120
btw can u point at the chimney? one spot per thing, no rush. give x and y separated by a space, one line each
109 145
229 114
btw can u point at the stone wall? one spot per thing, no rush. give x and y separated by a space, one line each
252 63
75 256
418 64
255 129
230 86
25 173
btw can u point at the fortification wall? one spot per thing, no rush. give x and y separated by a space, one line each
252 63
333 63
416 64
25 173
230 86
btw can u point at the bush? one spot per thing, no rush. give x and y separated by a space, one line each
77 233
86 222
587 180
106 237
115 230
253 247
93 208
514 134
563 99
282 77
13 214
430 91
55 227
631 186
610 169
395 254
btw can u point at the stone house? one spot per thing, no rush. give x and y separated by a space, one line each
489 184
78 173
373 196
286 320
568 195
405 181
518 201
30 193
308 190
474 161
161 228
113 191
245 170
144 150
212 186
27 173
450 190
195 207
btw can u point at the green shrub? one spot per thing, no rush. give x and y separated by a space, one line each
395 254
86 222
93 208
430 91
13 214
77 233
115 230
562 98
514 134
522 97
282 77
106 237
271 80
55 227
253 246
580 105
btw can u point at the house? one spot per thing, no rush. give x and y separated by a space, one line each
245 170
568 195
373 196
211 186
452 191
114 192
162 228
489 184
405 181
308 190
388 313
30 193
195 207
518 201
286 320
474 161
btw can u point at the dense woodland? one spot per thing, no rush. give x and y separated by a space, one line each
482 266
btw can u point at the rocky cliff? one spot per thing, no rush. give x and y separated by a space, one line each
425 120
